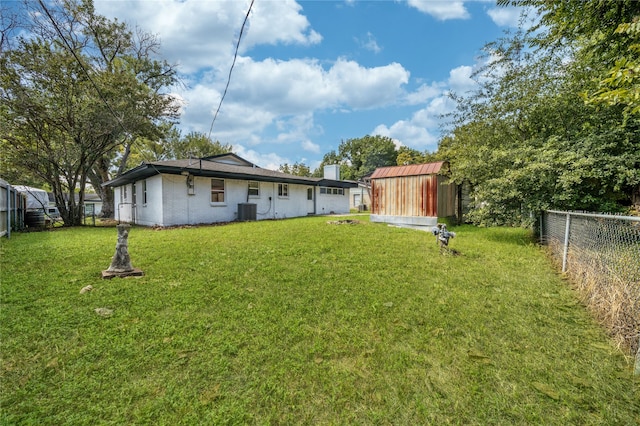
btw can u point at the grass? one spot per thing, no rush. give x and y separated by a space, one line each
301 322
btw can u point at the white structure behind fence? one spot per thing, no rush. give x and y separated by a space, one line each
12 208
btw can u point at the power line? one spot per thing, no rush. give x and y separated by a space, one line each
235 55
95 86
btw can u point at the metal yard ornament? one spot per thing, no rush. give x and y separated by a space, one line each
442 235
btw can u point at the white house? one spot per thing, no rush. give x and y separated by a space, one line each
220 188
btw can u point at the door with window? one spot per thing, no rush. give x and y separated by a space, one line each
311 208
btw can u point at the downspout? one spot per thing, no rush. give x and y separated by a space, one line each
9 211
315 199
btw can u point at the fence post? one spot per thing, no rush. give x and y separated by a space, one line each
566 243
541 227
637 369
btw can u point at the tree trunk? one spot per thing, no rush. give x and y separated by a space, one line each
98 175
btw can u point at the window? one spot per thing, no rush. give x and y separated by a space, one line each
217 190
133 193
309 193
144 191
331 191
254 188
124 194
283 190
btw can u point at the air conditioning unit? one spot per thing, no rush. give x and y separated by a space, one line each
247 212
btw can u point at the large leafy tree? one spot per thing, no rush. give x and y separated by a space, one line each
408 155
358 157
76 90
296 169
527 140
174 146
364 155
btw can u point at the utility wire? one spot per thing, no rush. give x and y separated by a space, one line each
235 55
84 69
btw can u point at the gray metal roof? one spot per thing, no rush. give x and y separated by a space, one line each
209 167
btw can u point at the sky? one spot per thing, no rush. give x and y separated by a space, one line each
311 74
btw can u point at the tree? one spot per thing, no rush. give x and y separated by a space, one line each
75 89
297 169
408 155
604 33
621 86
364 155
360 156
330 158
526 141
196 145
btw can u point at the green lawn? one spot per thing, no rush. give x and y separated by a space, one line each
301 322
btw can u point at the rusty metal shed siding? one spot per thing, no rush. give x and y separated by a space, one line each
405 196
447 196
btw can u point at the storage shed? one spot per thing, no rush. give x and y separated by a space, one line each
413 195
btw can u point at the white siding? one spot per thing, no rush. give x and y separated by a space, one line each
122 206
149 213
169 203
333 203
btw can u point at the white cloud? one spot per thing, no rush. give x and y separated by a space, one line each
369 43
505 17
269 161
309 146
421 131
203 34
362 87
285 95
424 93
441 9
404 132
279 21
460 80
301 86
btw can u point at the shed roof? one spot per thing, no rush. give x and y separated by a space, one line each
410 170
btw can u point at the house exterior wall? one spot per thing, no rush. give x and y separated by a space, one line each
359 197
151 212
333 203
170 201
123 211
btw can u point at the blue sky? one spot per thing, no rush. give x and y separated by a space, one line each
310 74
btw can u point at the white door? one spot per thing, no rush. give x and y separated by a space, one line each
311 208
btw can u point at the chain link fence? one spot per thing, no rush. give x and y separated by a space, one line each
601 255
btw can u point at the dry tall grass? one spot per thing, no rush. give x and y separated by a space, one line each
609 285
